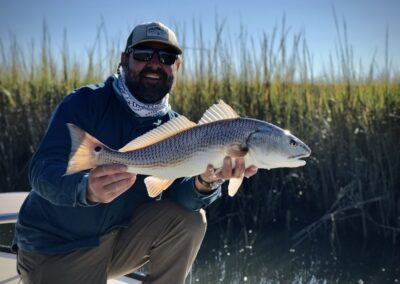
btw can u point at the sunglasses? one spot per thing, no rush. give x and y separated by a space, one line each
145 55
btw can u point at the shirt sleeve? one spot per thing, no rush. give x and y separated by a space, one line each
184 193
49 163
82 190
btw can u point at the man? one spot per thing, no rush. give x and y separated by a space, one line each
91 226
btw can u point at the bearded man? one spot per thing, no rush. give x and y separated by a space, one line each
100 224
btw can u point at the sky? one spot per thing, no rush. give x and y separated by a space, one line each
366 20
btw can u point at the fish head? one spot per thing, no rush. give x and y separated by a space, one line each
272 147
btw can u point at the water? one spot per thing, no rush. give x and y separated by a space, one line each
6 236
270 257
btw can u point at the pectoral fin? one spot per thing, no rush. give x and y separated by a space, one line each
234 184
156 185
237 151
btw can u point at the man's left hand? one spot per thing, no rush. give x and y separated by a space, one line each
229 170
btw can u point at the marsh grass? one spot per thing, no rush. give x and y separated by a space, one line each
349 118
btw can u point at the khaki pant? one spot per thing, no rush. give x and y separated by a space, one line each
164 234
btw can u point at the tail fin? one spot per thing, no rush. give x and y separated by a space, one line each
83 155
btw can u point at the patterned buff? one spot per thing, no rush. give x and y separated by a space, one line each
142 109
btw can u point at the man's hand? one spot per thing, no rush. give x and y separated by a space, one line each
107 182
228 171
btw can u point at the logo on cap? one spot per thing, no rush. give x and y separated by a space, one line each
156 32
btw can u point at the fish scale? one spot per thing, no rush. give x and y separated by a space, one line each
212 135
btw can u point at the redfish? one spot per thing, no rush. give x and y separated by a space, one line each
182 148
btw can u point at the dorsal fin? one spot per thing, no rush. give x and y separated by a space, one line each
166 130
219 111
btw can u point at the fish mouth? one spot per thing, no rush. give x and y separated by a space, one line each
306 153
298 157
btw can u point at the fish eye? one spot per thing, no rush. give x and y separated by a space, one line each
292 143
97 149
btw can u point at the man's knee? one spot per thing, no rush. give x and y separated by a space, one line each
196 222
192 221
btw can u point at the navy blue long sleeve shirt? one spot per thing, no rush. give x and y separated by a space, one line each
55 217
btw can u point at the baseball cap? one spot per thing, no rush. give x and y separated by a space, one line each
153 32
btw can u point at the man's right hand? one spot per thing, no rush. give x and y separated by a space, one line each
107 182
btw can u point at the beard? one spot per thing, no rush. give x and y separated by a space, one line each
148 90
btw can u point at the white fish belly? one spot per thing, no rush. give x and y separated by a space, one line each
192 166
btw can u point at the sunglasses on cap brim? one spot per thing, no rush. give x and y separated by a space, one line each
146 54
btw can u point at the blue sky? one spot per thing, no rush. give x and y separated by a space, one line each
366 20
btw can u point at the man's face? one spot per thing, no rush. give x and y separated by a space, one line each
149 81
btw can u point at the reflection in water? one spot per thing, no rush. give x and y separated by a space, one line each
271 258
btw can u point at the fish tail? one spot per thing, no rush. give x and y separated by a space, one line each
83 154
